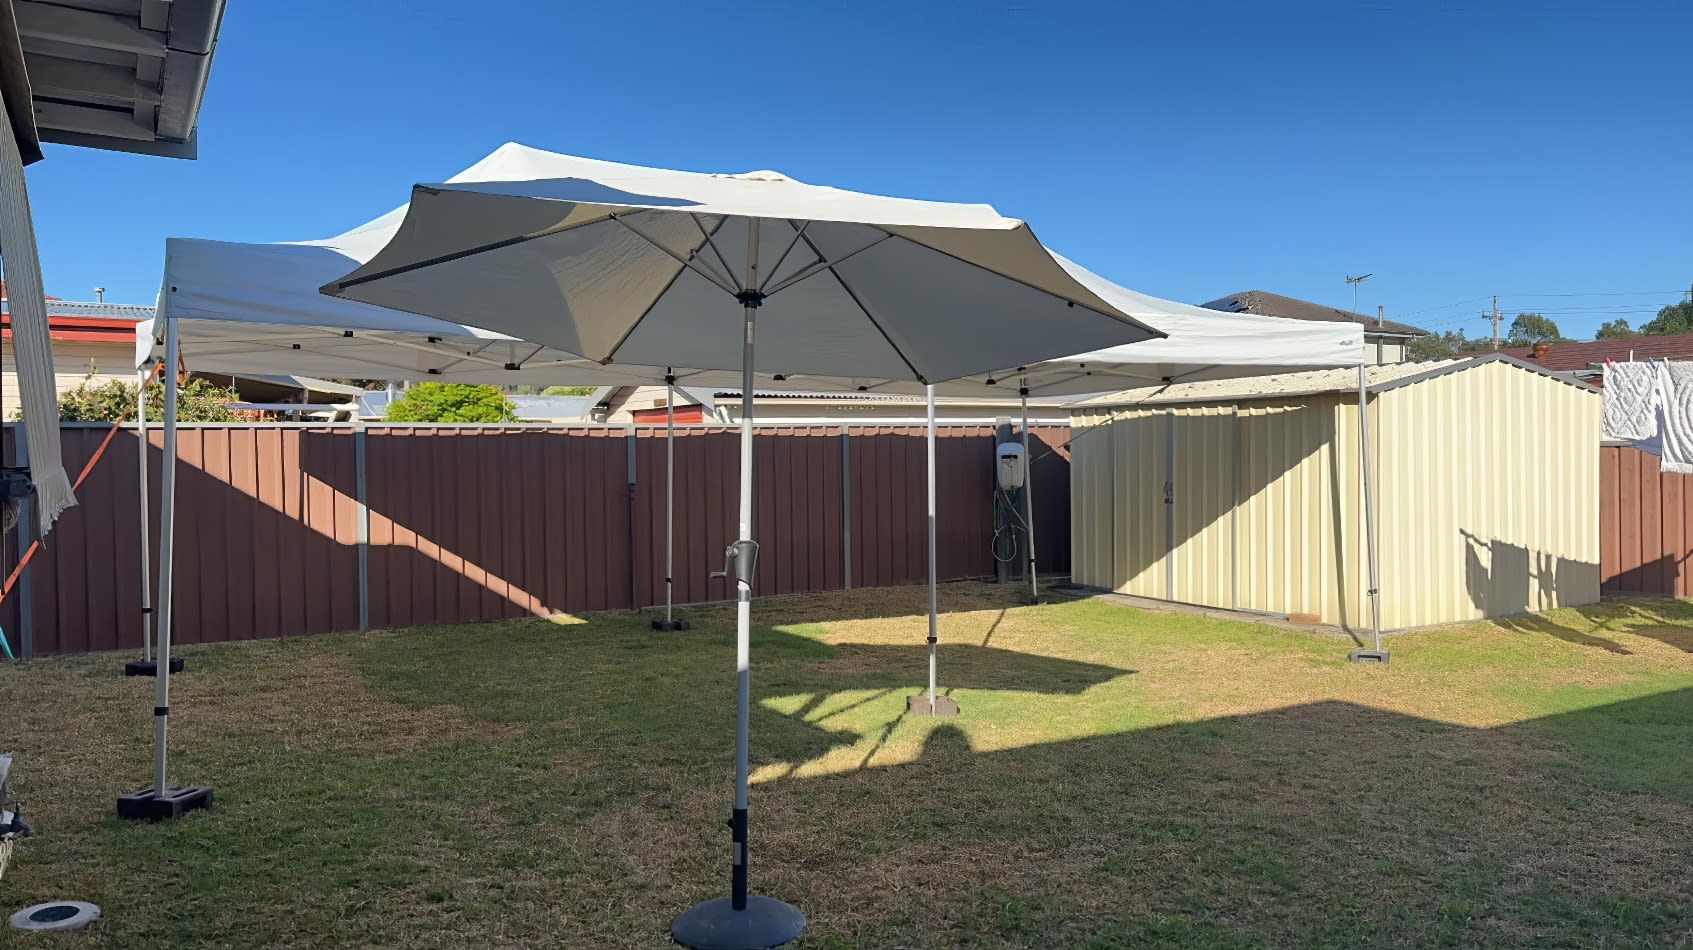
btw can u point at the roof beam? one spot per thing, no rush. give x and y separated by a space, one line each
89 121
87 28
70 79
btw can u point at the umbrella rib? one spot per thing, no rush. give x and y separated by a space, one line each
1132 321
612 354
728 272
822 264
785 252
341 285
691 262
863 309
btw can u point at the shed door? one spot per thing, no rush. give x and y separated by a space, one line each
1200 457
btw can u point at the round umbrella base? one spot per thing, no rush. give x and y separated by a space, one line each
670 625
717 925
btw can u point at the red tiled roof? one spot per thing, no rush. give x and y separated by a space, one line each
1568 356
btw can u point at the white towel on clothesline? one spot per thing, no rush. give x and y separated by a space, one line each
1675 416
1631 401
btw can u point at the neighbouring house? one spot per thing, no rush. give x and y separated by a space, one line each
1245 494
1385 339
645 405
1586 361
91 340
94 341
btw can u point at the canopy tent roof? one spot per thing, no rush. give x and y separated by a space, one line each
256 308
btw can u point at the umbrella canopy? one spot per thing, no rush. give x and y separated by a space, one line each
755 272
650 266
1201 344
249 308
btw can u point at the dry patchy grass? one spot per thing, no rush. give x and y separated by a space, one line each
1119 777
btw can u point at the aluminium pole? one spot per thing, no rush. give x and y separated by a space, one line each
141 377
1029 494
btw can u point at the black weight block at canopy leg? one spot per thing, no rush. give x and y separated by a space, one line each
150 668
174 803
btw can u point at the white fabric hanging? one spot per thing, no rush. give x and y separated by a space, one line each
1631 401
32 346
1675 384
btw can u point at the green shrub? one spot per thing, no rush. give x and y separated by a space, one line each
451 402
198 400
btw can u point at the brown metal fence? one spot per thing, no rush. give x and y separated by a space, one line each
483 523
1645 524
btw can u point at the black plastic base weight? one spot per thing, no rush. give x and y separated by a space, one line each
717 925
174 803
945 706
1369 656
150 668
671 625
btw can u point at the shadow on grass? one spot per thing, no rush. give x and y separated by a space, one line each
1666 621
1323 824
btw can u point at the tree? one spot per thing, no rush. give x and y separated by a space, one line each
1675 318
568 391
1617 329
197 400
451 402
1442 346
1531 328
1430 347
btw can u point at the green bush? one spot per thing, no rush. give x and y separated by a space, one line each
568 391
196 401
451 402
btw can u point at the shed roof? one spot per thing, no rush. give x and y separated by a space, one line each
1265 304
1377 379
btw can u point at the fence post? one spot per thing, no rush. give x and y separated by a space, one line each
629 439
846 507
364 523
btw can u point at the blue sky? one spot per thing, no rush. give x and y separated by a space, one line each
1541 151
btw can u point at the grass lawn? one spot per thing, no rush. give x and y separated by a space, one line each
1119 778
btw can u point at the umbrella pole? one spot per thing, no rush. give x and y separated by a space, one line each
740 920
163 801
1377 654
1029 495
931 704
669 622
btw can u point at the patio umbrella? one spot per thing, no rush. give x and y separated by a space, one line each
655 267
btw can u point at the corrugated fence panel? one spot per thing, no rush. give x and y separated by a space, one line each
1645 524
482 523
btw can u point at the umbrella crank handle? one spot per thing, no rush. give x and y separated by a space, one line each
739 560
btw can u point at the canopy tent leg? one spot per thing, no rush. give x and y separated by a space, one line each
162 800
147 665
1029 495
141 376
669 622
1377 654
931 704
740 920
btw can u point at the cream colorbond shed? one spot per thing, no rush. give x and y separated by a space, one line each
1246 493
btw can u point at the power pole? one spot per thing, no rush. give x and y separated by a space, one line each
1496 323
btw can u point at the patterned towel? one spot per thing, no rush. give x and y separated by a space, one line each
1675 381
1631 401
